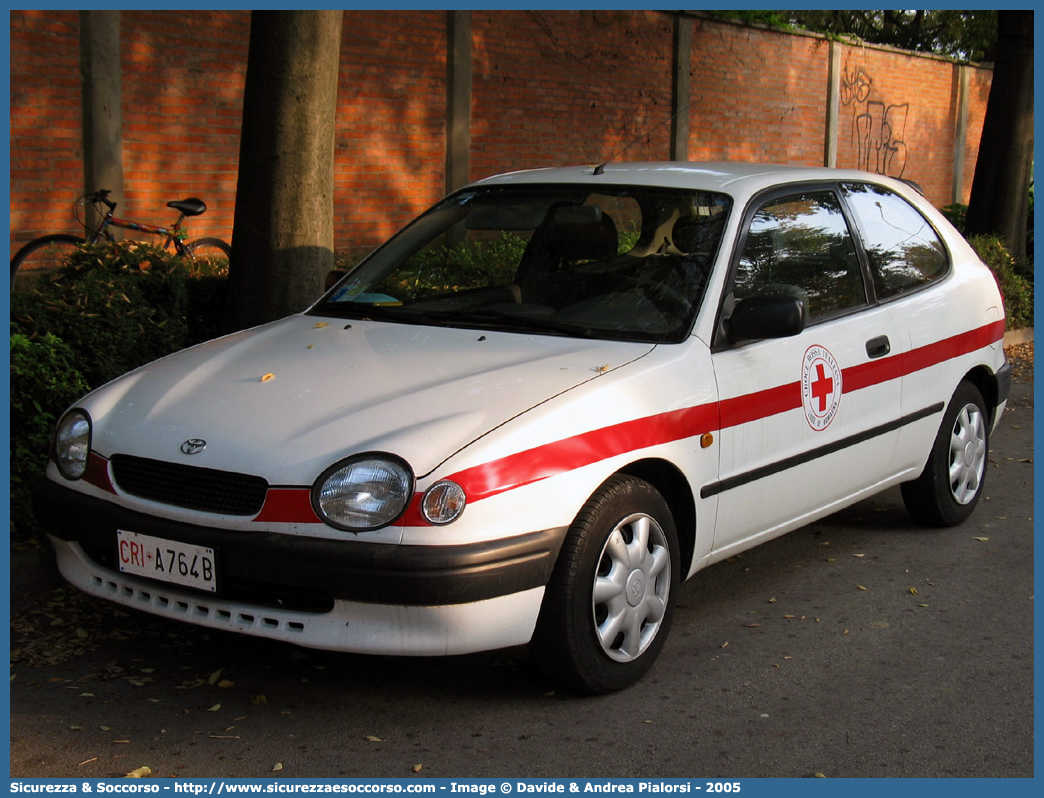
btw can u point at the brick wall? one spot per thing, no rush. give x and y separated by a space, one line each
553 88
183 78
389 161
548 88
757 95
897 117
46 121
979 84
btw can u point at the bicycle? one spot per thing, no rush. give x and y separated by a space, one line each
46 253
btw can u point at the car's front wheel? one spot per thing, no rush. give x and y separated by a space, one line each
608 606
950 486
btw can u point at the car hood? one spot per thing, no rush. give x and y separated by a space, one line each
287 400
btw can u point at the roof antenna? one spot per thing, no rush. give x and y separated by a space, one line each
600 169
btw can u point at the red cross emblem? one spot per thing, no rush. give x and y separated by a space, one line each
820 387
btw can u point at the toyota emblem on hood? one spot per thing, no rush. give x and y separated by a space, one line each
193 446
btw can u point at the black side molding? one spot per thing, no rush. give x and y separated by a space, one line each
737 480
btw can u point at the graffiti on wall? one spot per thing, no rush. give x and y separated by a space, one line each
879 128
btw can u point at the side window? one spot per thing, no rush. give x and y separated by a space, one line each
801 245
903 249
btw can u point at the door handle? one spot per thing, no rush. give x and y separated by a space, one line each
878 347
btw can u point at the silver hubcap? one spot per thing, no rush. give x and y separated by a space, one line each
631 587
967 454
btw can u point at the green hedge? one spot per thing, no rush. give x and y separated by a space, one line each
1016 289
110 309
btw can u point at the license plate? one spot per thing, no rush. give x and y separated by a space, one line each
168 560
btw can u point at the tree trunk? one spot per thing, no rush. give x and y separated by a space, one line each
1000 191
282 245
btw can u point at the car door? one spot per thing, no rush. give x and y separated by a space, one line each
942 324
807 420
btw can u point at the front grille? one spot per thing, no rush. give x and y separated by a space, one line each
192 488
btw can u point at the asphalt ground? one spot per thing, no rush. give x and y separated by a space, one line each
860 646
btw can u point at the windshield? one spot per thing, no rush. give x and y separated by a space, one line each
626 263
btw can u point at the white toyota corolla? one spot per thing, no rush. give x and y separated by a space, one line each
537 409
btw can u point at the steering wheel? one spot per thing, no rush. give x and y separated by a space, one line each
661 293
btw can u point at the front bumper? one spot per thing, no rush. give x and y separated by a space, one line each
310 573
346 626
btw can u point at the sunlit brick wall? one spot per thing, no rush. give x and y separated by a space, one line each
548 88
391 123
553 88
46 122
183 78
898 117
757 95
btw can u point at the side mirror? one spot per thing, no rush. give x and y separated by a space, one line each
333 277
769 316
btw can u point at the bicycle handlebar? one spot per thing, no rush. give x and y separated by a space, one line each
102 196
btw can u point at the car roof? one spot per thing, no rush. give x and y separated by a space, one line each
738 179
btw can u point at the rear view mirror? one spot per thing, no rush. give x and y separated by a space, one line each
333 276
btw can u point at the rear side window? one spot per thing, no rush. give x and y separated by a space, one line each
904 250
800 246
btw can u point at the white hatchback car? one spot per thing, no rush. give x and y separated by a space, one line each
532 413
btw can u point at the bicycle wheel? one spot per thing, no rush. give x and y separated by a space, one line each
42 256
209 256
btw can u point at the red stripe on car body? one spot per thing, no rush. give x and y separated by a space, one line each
97 473
550 459
288 506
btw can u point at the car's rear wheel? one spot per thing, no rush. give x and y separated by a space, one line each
949 488
608 607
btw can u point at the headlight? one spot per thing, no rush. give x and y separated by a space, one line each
72 444
443 502
363 492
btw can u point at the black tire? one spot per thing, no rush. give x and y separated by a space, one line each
43 255
210 250
950 486
624 544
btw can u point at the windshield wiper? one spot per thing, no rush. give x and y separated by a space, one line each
364 312
482 318
490 319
